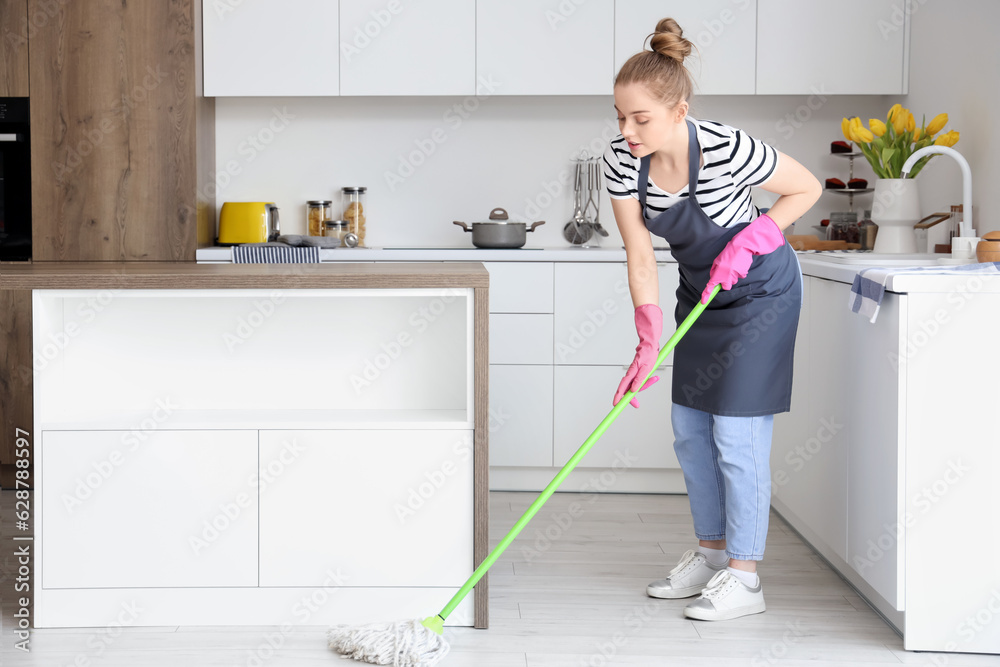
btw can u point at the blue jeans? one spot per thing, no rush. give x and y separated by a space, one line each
727 471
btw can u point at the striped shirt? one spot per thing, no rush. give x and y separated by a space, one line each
733 163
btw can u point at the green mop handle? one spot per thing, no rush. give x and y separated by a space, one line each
573 461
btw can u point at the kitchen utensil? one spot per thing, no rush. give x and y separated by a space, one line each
248 222
988 249
499 231
593 202
576 231
599 184
422 640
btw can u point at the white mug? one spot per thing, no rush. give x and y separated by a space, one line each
964 247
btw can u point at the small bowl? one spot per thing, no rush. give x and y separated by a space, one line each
988 250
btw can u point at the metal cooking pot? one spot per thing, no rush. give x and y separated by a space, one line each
499 232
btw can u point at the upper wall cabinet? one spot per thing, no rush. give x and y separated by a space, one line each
526 47
723 32
270 48
847 47
406 48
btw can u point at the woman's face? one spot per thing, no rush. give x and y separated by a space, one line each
647 124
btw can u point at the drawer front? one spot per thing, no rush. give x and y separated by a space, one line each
520 287
521 416
520 339
351 499
594 320
164 510
638 439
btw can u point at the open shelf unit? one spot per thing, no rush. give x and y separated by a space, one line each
218 454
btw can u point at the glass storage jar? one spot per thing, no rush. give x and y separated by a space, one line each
317 211
839 223
354 200
335 229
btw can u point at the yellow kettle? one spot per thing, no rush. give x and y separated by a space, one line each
248 222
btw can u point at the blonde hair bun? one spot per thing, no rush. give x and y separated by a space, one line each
669 40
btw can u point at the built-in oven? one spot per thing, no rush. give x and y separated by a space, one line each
15 180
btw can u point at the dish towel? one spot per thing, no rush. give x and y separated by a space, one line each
274 254
869 284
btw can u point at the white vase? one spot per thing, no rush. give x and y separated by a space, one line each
895 209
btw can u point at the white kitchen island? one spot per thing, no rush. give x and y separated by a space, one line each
887 463
257 444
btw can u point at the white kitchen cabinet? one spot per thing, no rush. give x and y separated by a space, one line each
639 438
809 458
852 47
520 287
330 502
875 483
521 415
383 43
594 318
271 48
148 508
524 47
520 338
724 34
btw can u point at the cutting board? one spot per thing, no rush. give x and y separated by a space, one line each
810 242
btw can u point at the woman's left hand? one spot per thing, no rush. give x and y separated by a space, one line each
760 237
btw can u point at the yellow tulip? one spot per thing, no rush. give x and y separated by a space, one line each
893 111
877 126
860 133
899 121
947 139
937 124
917 134
845 126
911 122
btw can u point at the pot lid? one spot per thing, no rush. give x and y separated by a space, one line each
498 216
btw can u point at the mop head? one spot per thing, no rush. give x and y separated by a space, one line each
402 643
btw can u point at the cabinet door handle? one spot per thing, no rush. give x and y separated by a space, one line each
9 137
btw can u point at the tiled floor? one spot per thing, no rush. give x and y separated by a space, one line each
570 591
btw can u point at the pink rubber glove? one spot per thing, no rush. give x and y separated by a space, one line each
649 326
760 237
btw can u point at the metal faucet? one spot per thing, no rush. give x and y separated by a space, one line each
965 227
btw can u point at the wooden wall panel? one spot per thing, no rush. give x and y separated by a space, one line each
15 375
13 48
205 131
114 173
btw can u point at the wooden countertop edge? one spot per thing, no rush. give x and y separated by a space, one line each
189 275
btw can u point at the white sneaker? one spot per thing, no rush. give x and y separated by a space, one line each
726 597
687 578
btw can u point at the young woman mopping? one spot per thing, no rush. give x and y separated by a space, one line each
688 181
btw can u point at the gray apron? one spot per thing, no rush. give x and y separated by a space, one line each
736 360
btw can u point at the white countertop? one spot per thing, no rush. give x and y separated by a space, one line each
464 254
841 267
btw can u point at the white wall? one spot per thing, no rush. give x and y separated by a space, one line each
954 63
512 152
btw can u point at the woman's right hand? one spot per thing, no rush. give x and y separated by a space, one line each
649 326
644 288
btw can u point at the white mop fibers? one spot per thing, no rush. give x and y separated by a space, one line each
401 644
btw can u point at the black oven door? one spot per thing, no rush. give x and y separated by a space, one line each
15 180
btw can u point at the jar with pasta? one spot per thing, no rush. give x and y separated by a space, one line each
353 200
317 211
